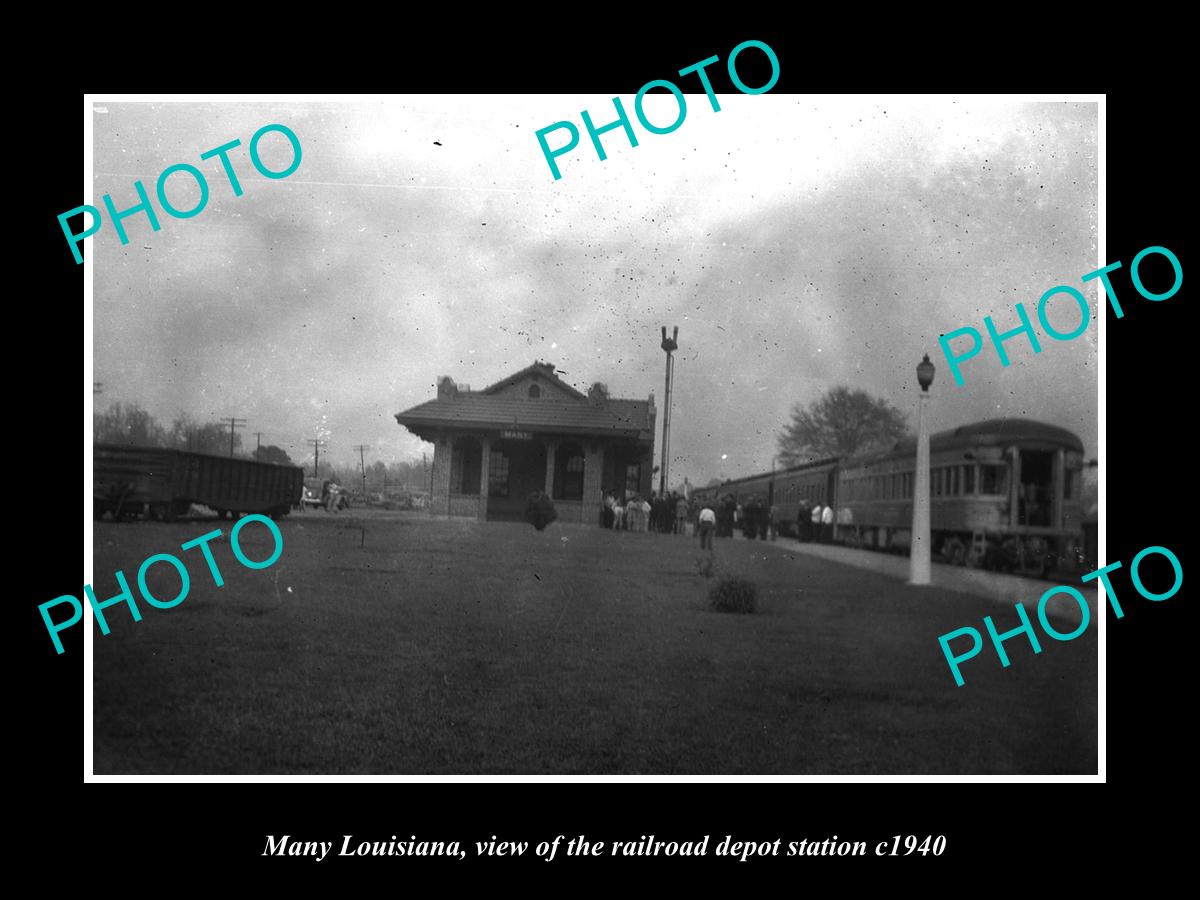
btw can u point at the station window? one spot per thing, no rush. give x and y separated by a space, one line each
534 392
498 474
633 478
969 479
568 473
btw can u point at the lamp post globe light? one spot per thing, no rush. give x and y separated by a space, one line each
670 345
919 558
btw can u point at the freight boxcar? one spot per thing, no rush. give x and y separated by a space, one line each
163 484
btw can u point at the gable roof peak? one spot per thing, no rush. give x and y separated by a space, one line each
540 369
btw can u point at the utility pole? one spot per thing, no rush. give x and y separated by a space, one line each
317 444
234 423
363 467
257 443
669 344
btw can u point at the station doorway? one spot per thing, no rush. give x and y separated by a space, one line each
515 470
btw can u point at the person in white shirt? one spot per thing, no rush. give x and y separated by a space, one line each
708 524
814 532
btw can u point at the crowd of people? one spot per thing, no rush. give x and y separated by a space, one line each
676 514
670 514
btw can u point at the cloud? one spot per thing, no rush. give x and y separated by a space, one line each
796 242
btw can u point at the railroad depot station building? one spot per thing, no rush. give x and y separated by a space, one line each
533 432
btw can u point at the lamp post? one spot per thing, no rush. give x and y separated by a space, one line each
919 563
670 345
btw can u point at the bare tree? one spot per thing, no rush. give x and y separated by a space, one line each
212 437
128 423
843 422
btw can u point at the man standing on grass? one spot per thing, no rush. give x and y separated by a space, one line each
708 525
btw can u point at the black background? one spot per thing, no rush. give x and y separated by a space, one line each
209 834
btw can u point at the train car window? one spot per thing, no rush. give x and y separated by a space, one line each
954 480
936 480
908 485
993 480
1072 484
969 478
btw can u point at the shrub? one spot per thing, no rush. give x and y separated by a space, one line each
539 510
735 595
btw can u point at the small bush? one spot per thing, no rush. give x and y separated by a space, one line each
539 510
736 595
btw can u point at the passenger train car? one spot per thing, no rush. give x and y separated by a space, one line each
790 491
1004 493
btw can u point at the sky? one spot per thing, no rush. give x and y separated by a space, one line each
798 243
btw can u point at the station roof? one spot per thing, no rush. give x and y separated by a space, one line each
564 411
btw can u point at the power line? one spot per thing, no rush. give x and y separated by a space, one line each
361 448
317 444
234 423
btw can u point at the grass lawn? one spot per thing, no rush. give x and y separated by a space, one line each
465 647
